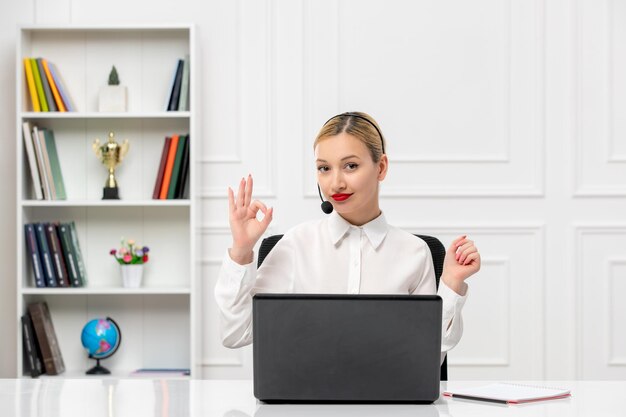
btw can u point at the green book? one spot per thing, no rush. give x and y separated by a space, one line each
79 254
55 166
39 85
71 260
171 191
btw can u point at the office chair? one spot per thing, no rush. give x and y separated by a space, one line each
437 250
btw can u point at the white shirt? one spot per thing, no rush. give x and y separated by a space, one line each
334 257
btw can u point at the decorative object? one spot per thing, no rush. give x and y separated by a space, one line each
111 155
131 258
101 338
112 97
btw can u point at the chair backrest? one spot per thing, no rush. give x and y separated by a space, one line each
437 250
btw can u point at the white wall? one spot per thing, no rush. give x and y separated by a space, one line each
502 121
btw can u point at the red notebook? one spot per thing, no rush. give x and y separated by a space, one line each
507 393
159 178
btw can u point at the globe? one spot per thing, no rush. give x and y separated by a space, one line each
101 338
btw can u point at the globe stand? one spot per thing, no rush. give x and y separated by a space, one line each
98 369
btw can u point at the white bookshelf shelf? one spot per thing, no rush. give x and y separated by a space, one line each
106 291
158 319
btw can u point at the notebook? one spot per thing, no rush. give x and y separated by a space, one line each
346 348
507 393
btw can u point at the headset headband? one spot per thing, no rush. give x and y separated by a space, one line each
382 142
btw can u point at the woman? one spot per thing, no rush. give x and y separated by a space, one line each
353 250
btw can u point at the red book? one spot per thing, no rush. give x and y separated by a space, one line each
159 178
167 175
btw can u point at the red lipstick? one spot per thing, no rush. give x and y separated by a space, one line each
341 197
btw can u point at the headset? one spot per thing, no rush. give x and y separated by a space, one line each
327 207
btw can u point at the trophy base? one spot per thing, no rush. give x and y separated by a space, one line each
110 193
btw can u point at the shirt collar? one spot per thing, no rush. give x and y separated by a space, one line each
375 230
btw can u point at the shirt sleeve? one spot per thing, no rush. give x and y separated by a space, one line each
237 284
451 320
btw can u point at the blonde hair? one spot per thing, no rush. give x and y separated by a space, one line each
360 125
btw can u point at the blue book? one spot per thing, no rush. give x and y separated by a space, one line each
46 256
33 254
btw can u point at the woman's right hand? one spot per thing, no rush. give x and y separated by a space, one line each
244 226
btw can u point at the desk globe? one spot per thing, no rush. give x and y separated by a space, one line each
101 338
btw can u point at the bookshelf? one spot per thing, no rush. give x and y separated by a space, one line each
158 320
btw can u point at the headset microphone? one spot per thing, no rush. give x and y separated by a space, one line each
327 207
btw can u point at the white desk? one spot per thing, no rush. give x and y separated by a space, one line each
211 398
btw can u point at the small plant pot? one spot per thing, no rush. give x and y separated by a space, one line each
112 98
132 275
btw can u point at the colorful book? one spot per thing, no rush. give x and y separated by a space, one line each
56 251
65 238
183 102
55 166
45 185
46 86
39 85
184 171
34 256
159 178
46 337
32 358
171 191
46 257
55 91
167 174
63 92
30 82
175 95
46 164
32 160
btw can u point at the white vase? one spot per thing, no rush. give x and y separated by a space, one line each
112 98
131 275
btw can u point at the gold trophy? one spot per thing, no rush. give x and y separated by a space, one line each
111 155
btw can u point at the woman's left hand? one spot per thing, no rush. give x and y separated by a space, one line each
462 261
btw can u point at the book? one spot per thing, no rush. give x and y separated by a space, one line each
32 160
507 393
53 87
46 164
183 102
159 178
65 238
79 254
184 171
31 354
63 92
46 338
38 85
46 86
57 255
55 165
167 174
30 83
33 255
40 163
49 274
171 191
175 94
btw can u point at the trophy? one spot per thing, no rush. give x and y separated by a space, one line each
111 155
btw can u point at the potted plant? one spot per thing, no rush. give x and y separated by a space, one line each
112 97
131 258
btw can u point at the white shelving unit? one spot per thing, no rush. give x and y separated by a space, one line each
158 320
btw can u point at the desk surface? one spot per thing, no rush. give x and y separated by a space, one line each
212 398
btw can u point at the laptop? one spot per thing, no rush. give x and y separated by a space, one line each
346 348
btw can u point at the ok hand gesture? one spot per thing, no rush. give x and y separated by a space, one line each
245 228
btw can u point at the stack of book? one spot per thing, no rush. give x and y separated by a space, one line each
54 254
45 86
43 159
172 181
42 353
179 92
